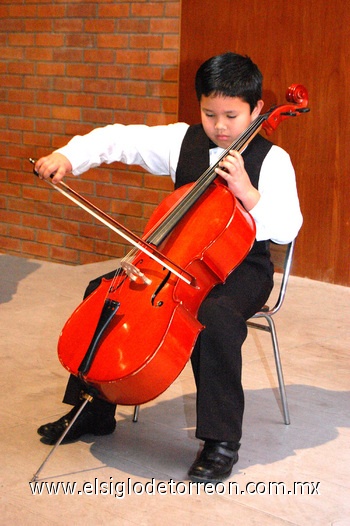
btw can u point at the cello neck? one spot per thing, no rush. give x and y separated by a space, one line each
202 184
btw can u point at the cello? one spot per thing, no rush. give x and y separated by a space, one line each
134 334
131 338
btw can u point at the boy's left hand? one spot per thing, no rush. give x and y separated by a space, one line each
231 168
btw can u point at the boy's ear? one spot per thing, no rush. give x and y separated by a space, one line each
257 110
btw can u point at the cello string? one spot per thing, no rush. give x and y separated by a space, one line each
201 185
209 175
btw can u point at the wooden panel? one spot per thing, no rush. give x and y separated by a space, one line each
292 42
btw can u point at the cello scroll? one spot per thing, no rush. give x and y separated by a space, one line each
298 99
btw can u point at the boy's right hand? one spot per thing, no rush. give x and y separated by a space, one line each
55 164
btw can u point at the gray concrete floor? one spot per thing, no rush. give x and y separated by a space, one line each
140 470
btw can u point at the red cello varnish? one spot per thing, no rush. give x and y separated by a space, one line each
134 334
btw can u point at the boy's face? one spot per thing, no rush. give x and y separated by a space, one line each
225 118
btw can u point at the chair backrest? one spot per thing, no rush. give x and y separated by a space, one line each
282 257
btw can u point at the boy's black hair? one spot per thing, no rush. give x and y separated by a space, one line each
230 75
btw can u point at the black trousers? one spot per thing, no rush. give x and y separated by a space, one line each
217 356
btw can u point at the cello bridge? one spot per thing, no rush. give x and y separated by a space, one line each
134 273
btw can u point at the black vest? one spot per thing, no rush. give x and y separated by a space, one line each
194 160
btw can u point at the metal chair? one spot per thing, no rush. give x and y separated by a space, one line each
278 252
267 313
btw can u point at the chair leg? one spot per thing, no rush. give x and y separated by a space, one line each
279 370
136 413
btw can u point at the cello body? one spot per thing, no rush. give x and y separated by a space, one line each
152 334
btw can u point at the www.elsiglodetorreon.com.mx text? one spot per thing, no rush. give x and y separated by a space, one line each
122 489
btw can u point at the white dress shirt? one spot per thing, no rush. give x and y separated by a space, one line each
157 148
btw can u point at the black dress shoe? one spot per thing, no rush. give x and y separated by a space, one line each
87 423
215 462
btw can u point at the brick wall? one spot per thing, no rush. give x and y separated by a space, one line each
66 68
